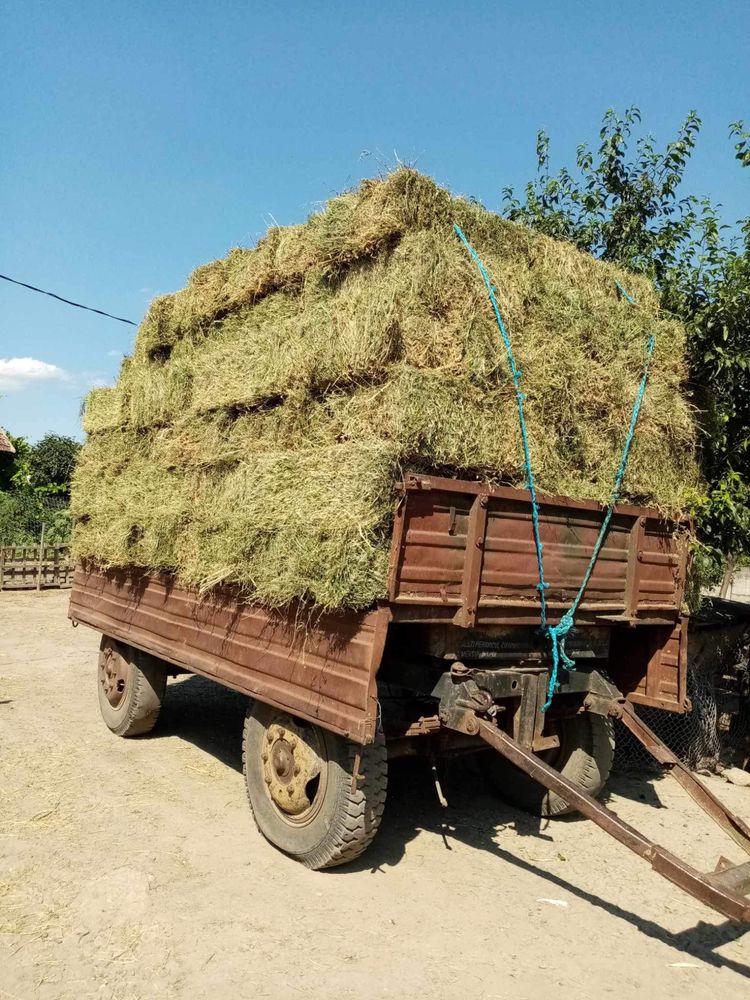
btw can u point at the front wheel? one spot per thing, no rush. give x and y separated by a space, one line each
585 755
315 795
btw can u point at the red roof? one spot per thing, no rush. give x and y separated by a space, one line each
5 444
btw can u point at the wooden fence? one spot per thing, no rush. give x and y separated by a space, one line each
35 567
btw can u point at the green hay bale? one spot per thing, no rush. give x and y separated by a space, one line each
312 524
156 394
103 410
323 537
258 431
420 304
157 331
129 510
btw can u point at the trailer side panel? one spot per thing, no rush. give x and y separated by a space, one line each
322 670
464 552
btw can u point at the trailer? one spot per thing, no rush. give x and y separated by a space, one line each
451 662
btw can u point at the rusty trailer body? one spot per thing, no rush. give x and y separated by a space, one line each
452 660
463 570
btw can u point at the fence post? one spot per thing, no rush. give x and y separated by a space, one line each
41 559
2 566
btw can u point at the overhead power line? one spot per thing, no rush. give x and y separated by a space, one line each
68 302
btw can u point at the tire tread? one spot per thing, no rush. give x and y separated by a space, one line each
359 805
362 809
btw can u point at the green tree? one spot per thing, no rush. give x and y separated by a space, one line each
34 487
52 461
623 203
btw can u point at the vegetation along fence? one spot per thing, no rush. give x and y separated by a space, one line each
34 541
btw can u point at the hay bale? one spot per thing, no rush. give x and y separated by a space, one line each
128 507
103 409
257 434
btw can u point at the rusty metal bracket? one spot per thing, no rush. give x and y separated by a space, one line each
717 890
357 776
467 691
471 584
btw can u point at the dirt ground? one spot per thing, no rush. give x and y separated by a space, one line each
132 869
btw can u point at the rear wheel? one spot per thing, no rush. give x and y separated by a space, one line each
585 754
131 687
315 795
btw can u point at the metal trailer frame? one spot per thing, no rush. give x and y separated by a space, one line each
461 595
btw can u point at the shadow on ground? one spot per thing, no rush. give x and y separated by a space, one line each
211 717
205 714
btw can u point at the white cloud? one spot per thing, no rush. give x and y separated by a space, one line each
16 373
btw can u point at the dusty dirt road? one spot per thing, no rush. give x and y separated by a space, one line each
132 869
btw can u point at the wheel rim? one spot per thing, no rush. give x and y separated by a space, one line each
294 765
114 673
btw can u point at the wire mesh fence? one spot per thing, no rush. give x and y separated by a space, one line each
716 731
23 513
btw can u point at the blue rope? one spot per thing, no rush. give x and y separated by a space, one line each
516 373
557 634
629 298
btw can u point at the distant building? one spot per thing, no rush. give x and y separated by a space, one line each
5 444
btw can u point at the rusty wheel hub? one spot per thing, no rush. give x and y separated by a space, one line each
113 676
293 756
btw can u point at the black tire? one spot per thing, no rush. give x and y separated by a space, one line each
336 789
131 687
585 755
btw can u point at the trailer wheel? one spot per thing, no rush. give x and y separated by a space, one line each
131 688
585 754
315 795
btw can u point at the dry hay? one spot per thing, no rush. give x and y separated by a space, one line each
258 432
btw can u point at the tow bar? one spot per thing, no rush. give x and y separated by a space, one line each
723 889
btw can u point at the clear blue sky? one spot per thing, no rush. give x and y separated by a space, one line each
142 139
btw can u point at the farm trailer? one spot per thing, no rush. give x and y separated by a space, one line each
453 661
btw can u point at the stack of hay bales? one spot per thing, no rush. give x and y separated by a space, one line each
258 433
